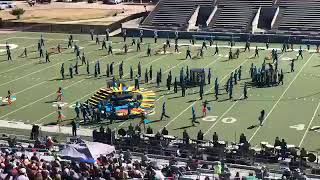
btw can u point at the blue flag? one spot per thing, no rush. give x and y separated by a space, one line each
146 121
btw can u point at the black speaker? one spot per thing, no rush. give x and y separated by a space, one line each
312 157
315 171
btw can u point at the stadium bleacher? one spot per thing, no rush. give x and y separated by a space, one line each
237 14
174 13
300 15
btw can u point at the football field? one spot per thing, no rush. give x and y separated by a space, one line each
292 109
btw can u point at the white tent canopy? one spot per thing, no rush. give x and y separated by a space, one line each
86 150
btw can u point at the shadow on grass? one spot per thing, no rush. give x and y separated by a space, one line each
253 126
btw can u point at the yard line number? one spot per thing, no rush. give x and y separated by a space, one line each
301 127
226 120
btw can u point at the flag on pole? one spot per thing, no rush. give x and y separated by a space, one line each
146 121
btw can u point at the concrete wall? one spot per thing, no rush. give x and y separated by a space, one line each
276 38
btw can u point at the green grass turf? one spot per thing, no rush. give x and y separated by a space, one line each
294 103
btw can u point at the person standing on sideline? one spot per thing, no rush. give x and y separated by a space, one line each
77 110
74 128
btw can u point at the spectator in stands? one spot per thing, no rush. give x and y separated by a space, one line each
35 157
283 149
127 155
74 128
49 143
217 168
185 137
303 154
277 142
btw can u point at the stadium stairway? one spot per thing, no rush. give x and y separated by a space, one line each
237 14
174 13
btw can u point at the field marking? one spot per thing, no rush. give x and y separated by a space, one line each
215 123
284 92
307 130
227 75
38 100
7 39
83 96
31 62
153 81
39 120
29 87
226 112
59 63
25 37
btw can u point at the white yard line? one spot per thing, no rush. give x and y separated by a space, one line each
284 92
38 100
222 116
227 75
59 63
307 130
6 39
39 120
29 87
160 96
25 37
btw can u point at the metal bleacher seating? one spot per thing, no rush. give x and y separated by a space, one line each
300 15
174 13
237 14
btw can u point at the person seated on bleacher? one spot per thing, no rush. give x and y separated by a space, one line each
144 159
172 160
37 143
49 143
277 142
127 156
34 157
303 154
12 141
164 131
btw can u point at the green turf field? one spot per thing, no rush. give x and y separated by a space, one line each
291 109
